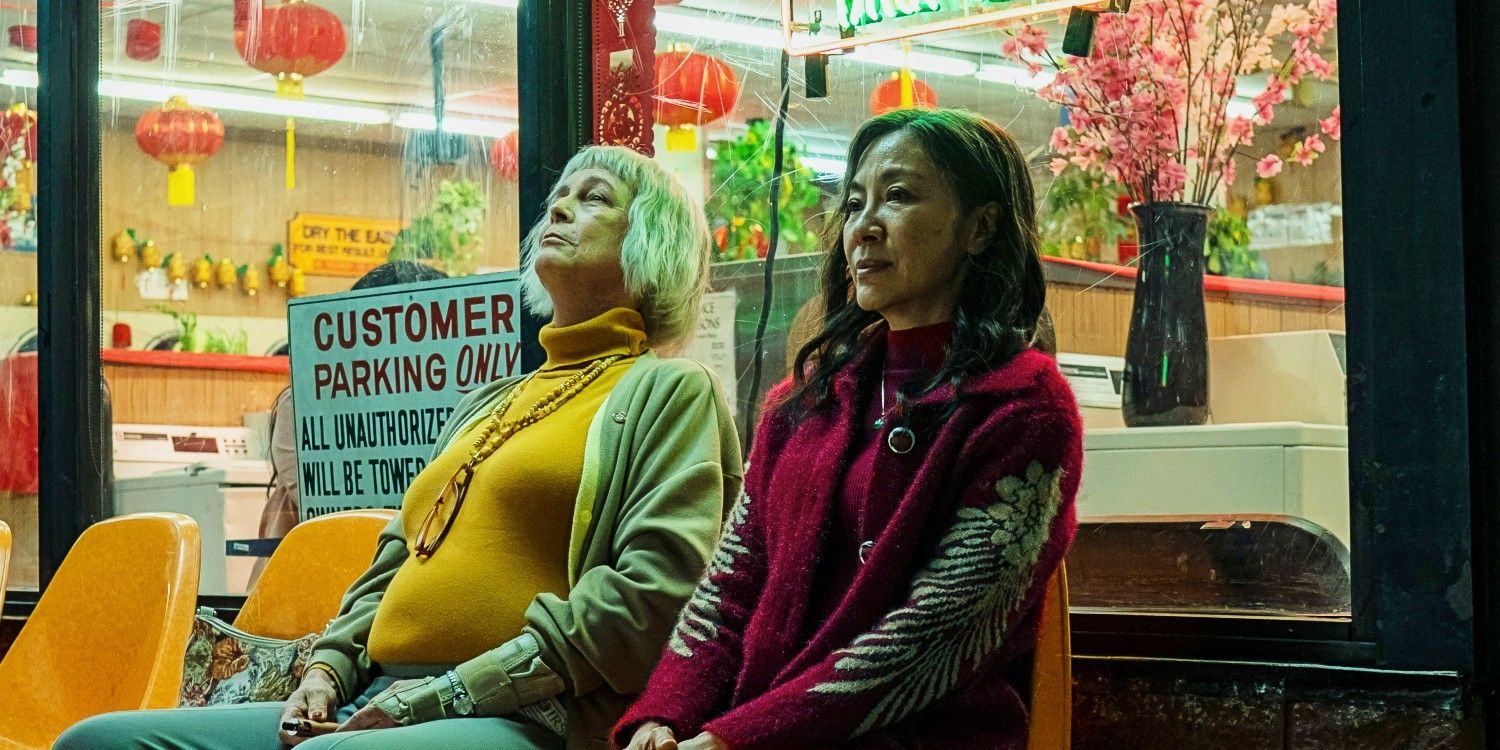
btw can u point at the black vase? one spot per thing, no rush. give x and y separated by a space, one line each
1166 356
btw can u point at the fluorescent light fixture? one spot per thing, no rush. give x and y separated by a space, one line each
496 3
833 165
461 125
708 27
1240 107
265 105
925 62
1015 76
26 79
226 100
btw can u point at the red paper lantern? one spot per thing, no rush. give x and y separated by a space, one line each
692 90
291 41
23 36
505 156
142 40
179 135
887 96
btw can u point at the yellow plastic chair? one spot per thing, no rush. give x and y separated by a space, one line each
300 589
4 560
109 631
1052 672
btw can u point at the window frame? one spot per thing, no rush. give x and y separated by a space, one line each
554 87
1409 375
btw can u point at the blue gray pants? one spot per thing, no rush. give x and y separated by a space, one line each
255 726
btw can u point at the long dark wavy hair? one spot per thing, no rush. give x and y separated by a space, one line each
1003 291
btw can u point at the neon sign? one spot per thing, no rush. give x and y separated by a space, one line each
854 13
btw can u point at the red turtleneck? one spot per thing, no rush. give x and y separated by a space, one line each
910 355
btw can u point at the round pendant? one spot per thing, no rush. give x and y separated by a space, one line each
901 440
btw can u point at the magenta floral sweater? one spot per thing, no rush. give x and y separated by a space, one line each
946 604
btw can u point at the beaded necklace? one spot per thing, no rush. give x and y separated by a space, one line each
495 434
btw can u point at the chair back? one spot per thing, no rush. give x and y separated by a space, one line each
1051 726
109 631
4 561
302 584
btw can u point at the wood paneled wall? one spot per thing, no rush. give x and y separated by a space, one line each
1097 320
175 395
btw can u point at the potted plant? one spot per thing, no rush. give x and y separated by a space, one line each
1150 107
739 210
1228 251
1078 215
449 231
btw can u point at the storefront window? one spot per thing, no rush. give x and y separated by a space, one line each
256 151
18 335
1244 511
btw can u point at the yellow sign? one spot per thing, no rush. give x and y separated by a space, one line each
328 245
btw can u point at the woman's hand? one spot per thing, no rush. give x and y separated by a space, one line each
652 736
372 716
314 700
704 741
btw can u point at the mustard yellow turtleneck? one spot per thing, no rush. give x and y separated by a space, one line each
510 541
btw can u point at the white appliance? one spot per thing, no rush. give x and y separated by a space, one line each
217 475
1277 468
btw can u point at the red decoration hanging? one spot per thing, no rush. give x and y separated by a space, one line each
179 135
623 64
692 90
23 36
888 95
17 123
505 156
18 129
292 41
142 40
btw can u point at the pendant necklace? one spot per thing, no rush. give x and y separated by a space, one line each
900 440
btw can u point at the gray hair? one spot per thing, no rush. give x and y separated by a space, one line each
665 252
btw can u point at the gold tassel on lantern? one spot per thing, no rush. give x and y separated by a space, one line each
203 272
224 274
297 285
291 154
181 185
249 280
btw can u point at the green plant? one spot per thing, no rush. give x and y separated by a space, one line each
1227 249
739 210
1079 214
448 231
191 338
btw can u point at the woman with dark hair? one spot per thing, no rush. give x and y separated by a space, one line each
911 487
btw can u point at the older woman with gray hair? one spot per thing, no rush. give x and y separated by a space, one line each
527 586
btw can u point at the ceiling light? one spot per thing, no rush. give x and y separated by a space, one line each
1014 76
235 102
707 27
157 93
461 125
925 62
833 165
